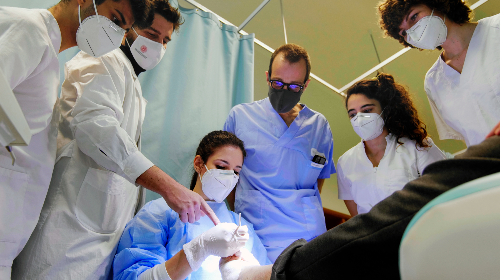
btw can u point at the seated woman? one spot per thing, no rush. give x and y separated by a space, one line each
394 148
156 243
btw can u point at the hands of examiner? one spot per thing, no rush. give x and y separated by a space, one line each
223 240
231 267
494 131
189 205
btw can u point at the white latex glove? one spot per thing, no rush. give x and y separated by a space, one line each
231 268
223 240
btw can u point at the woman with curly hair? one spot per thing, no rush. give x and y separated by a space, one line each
394 149
463 86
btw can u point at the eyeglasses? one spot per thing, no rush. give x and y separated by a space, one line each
291 87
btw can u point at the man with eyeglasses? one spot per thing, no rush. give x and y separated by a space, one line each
289 155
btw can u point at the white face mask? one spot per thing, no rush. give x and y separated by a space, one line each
217 183
368 125
147 53
97 35
428 33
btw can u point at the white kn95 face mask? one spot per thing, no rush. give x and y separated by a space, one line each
98 35
428 33
217 183
368 125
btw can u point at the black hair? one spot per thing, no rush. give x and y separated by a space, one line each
141 9
211 142
171 14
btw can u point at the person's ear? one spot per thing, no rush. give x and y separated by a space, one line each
267 76
198 164
306 84
84 3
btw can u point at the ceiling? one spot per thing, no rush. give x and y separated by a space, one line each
337 37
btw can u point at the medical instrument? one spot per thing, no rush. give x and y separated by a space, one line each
239 225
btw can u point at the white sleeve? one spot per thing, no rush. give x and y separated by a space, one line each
344 185
22 46
97 116
158 272
428 155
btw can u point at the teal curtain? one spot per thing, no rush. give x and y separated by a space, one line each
207 69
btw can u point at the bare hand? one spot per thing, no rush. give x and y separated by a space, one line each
189 205
495 131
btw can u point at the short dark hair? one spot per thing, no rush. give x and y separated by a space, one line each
171 14
293 53
211 142
399 114
392 13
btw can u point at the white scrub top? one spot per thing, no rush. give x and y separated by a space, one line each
358 180
467 106
29 44
277 191
92 194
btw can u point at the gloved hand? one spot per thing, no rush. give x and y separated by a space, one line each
223 240
231 267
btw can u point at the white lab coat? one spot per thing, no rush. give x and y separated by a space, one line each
358 180
467 106
29 44
92 194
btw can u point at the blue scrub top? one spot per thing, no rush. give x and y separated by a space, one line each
277 191
156 234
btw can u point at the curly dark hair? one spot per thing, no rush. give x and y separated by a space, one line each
293 53
212 142
392 13
399 114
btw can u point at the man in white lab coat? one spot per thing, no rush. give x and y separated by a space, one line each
93 192
30 40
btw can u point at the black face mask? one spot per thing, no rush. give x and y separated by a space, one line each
283 100
137 69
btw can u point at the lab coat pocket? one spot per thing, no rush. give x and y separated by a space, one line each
314 215
12 214
103 202
14 184
251 203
